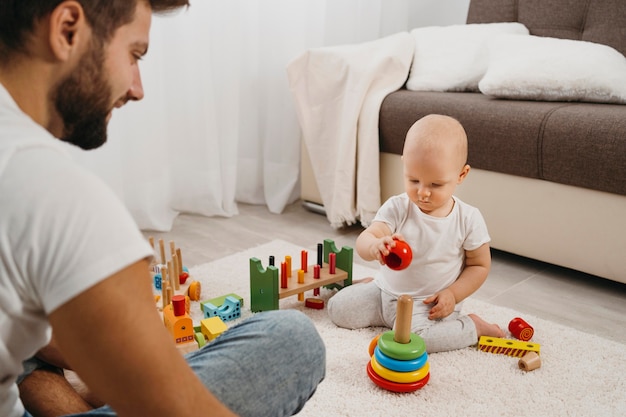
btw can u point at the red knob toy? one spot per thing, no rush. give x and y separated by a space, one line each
400 256
521 330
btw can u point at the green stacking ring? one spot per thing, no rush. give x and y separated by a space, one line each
401 351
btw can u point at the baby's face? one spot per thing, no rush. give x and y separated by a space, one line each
430 179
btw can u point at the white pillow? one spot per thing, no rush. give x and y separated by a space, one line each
541 68
453 58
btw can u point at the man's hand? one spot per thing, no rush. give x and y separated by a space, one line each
444 303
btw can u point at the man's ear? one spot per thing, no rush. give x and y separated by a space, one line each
68 29
463 174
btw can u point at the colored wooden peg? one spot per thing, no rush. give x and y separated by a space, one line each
301 281
332 263
320 255
316 271
283 275
288 262
303 260
178 303
316 275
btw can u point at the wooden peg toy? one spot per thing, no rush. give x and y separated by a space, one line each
399 361
267 286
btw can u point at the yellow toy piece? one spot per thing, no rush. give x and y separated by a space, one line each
507 346
212 327
400 377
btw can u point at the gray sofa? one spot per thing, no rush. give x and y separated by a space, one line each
549 177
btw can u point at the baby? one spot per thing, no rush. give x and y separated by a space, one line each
449 240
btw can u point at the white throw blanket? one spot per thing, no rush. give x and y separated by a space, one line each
338 92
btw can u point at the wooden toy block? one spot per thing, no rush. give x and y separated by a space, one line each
507 346
263 286
266 290
180 327
529 362
230 309
218 301
212 327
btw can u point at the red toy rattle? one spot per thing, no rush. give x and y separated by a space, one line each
400 256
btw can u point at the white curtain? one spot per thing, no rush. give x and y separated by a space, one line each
217 125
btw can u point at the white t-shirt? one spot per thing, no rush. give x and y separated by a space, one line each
438 245
62 230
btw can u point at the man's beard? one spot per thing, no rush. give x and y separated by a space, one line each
83 100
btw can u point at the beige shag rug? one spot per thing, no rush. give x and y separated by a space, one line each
580 375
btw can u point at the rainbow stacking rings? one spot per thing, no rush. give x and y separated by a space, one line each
398 367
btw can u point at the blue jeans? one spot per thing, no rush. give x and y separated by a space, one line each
268 365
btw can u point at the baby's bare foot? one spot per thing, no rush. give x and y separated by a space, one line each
486 329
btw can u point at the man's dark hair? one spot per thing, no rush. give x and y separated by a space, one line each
18 18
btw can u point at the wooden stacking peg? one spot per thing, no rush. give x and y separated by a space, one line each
403 319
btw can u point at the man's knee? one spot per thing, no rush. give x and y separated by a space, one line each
295 325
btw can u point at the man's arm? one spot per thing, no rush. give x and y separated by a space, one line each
112 336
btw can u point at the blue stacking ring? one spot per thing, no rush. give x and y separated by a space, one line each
398 365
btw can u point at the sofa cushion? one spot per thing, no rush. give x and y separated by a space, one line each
544 68
584 145
545 140
454 58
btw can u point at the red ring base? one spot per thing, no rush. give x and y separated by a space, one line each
395 386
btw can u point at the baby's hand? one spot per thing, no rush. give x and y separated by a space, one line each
380 248
444 303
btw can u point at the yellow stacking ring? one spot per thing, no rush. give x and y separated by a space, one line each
401 377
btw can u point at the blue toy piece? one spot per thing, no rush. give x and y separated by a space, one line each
229 310
398 365
158 282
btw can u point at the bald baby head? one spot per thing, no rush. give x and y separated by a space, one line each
438 135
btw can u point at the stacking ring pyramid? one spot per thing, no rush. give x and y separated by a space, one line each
399 361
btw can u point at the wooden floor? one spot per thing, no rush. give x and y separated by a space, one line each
590 304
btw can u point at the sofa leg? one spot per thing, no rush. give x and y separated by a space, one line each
314 207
